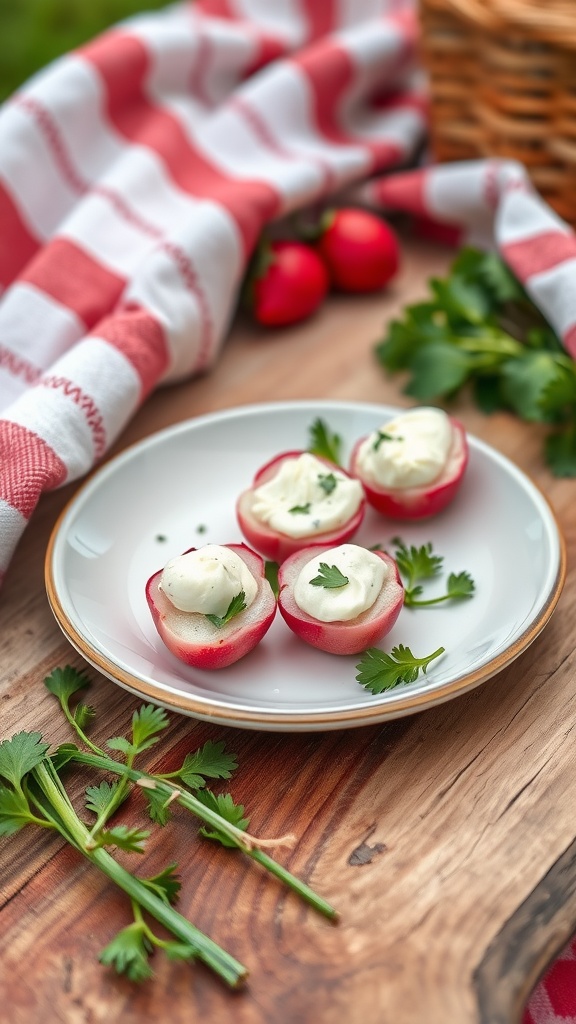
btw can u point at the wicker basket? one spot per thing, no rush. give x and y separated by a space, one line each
503 83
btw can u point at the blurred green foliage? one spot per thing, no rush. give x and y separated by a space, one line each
34 32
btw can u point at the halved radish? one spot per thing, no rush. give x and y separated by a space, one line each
425 500
341 636
193 638
276 545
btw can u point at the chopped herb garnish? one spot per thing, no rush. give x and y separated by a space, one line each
378 671
327 482
329 577
300 510
383 436
237 605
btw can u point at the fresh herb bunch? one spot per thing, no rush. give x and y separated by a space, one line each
480 328
33 793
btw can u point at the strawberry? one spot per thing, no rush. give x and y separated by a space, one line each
360 250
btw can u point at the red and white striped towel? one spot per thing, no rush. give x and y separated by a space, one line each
135 177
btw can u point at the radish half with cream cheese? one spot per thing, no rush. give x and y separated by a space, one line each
298 499
212 605
342 599
412 467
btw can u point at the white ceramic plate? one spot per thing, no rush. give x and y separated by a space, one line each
177 489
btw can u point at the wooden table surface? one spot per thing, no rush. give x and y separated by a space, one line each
463 815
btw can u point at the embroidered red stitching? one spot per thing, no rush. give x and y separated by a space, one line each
86 404
18 366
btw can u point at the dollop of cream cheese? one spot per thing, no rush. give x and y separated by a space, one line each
306 497
408 451
206 580
365 573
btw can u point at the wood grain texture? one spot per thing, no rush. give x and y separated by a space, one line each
444 839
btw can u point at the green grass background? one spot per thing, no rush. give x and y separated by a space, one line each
34 32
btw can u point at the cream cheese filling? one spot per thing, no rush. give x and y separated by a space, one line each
206 580
364 572
306 497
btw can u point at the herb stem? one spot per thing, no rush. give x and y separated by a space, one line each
239 838
75 832
303 890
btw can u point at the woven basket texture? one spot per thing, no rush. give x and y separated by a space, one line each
503 83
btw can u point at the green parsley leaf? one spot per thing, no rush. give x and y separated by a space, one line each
147 721
179 951
421 564
301 510
416 563
63 682
158 806
561 451
14 811
130 839
128 953
20 755
165 884
327 482
210 761
120 743
237 605
224 805
460 585
378 671
438 369
323 442
98 797
329 577
524 382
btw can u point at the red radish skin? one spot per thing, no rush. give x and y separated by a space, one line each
360 250
293 285
419 502
340 637
277 546
195 640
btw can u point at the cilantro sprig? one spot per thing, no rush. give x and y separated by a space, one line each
33 793
379 671
420 563
479 328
